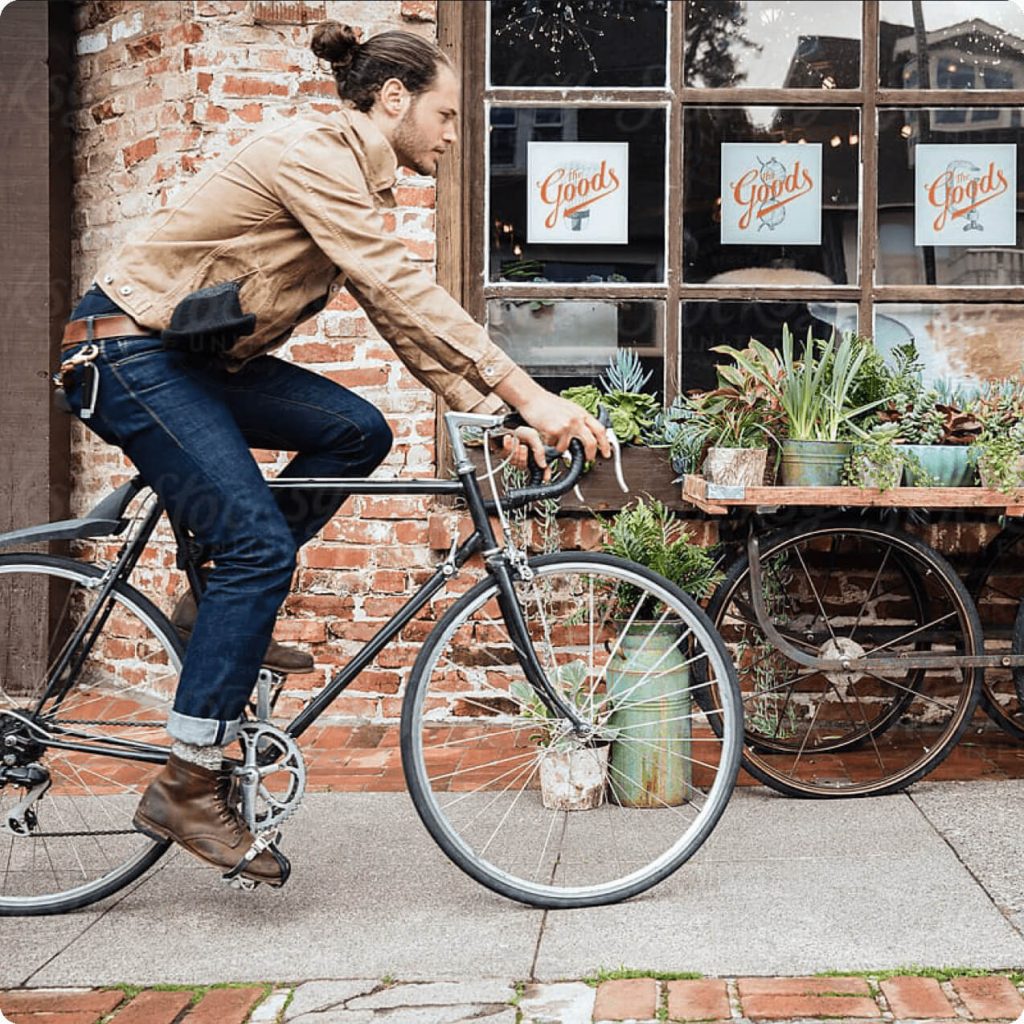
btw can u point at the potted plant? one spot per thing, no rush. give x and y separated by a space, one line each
877 460
936 426
573 776
814 393
648 676
998 450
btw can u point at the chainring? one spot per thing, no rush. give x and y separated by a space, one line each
269 783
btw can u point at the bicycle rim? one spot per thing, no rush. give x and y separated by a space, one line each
74 843
629 651
853 591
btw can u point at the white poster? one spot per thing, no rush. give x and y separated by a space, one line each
771 193
578 192
965 194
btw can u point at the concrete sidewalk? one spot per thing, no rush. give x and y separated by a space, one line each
933 877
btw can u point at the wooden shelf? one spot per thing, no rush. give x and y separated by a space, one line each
718 499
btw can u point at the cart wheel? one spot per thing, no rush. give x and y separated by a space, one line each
834 590
997 586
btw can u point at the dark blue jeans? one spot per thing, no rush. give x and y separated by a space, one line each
188 425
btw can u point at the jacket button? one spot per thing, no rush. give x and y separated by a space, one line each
126 289
334 289
107 278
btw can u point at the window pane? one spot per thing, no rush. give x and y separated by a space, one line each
959 342
758 261
568 342
512 257
976 45
984 248
563 43
771 44
706 324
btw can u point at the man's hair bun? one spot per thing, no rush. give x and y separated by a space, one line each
336 44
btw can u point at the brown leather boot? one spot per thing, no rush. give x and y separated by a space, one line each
189 805
279 658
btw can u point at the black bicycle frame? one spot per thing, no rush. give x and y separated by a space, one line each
481 539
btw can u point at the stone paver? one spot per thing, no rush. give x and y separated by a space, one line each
912 998
992 998
558 1003
442 993
701 999
317 996
626 999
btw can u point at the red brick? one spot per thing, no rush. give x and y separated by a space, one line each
225 1006
74 1017
254 86
991 998
98 1002
626 999
703 999
419 10
781 998
251 112
154 1007
407 195
139 151
916 998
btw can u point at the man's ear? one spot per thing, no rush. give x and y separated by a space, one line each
394 97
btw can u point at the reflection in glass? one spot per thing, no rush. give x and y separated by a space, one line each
900 261
513 258
564 343
707 260
951 44
765 44
959 342
706 324
573 43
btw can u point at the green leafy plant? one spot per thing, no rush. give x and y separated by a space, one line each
813 388
574 682
624 373
877 460
650 533
998 450
633 411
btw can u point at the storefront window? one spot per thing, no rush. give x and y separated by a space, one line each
758 179
578 188
566 43
950 213
757 196
959 343
772 44
707 324
565 343
950 44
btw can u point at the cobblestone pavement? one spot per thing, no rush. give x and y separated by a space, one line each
935 996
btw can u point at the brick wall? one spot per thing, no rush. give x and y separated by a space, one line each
163 89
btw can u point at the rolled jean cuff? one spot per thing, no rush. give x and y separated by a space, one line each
202 732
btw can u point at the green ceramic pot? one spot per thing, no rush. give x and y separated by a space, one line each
814 463
938 465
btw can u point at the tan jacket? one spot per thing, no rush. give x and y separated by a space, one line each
292 214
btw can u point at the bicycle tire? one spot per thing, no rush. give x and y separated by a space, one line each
1000 693
96 793
889 763
442 755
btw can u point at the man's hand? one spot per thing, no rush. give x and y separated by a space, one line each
556 419
520 443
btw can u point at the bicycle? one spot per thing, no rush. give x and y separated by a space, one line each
527 662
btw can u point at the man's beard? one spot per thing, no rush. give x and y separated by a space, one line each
408 141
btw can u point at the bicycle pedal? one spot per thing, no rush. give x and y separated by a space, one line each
245 884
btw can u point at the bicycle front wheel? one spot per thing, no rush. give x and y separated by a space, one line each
66 834
482 757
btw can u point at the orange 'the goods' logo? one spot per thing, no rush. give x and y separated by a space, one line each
961 189
763 192
569 193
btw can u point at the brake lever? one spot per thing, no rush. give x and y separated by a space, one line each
616 448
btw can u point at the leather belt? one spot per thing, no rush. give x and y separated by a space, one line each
96 328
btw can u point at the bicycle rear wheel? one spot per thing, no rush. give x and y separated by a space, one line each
66 834
855 590
629 650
